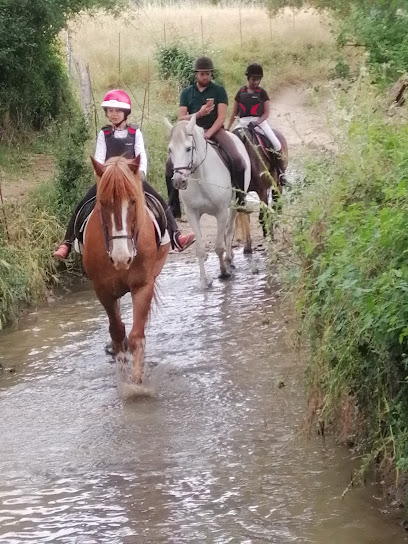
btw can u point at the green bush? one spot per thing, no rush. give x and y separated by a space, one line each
74 172
175 62
377 25
33 85
352 243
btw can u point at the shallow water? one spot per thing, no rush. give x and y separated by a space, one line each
215 455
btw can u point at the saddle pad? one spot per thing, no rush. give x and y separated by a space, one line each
153 206
226 159
257 138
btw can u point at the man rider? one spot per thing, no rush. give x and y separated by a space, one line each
209 102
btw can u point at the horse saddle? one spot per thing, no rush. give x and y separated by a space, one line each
154 208
259 139
226 159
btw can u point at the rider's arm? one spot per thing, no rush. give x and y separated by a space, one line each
219 122
265 115
100 150
140 150
183 114
233 114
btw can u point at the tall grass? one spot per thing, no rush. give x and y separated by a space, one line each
30 227
352 241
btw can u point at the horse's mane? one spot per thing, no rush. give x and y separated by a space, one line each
119 183
180 129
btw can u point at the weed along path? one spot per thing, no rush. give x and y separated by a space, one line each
215 455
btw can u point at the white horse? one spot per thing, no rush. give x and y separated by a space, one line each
205 187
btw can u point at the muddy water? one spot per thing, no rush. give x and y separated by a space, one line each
214 455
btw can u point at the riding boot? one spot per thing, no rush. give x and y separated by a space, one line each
239 182
178 241
280 164
172 227
65 248
174 199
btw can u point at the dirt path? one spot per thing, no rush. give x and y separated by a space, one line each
303 125
36 169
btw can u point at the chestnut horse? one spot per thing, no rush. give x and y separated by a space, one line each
120 254
264 179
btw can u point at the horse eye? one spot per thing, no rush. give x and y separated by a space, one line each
170 150
188 149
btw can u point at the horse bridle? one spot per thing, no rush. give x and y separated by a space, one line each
190 168
108 238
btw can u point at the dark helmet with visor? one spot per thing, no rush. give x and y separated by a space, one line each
203 64
254 70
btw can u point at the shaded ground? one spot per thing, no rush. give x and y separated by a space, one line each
37 168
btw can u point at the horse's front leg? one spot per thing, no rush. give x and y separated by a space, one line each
141 300
230 228
116 325
222 220
194 222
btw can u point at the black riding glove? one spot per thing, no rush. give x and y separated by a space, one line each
252 125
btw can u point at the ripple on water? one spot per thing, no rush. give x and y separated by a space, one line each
215 454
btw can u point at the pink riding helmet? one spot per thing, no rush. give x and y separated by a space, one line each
117 99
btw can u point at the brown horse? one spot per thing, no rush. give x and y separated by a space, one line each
120 254
264 180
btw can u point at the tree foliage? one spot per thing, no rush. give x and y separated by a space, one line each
379 26
274 6
32 84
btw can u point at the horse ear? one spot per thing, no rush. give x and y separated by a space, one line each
169 126
191 124
134 164
98 167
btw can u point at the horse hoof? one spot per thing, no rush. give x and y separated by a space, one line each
224 276
247 250
205 284
137 380
109 350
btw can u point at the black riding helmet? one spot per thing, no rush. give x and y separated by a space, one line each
203 64
254 70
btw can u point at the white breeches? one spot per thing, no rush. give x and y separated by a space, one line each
264 127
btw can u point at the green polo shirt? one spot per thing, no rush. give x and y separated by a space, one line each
193 99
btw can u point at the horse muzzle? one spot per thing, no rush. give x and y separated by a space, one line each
179 181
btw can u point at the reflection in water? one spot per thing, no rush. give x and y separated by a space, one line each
216 455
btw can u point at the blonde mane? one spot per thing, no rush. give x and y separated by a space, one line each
119 183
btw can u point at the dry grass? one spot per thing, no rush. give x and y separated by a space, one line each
207 29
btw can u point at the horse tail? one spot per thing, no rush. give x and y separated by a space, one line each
242 225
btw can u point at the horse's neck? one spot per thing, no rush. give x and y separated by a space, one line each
209 165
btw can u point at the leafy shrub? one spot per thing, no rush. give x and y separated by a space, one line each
74 174
341 70
353 283
33 86
175 62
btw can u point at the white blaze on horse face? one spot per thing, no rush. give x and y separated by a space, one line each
121 254
182 157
